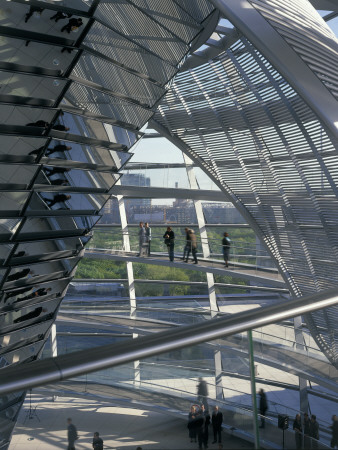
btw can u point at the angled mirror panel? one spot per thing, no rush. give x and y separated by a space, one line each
12 202
15 16
16 176
103 104
85 179
87 154
117 80
47 227
59 268
5 250
16 339
15 320
20 148
129 54
58 201
23 115
128 20
36 57
32 293
26 353
49 249
8 227
17 87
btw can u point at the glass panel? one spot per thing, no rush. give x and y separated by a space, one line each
86 153
65 201
39 228
46 56
22 115
46 248
12 202
20 146
16 176
15 16
31 86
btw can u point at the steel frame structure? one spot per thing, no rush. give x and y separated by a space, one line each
264 127
71 107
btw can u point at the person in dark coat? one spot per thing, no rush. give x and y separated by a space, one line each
297 428
307 431
60 15
334 428
217 420
169 240
31 315
32 10
192 424
97 441
72 24
202 392
263 406
191 245
226 242
314 431
39 123
17 275
206 423
58 198
199 424
38 293
72 434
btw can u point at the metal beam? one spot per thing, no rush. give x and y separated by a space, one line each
51 370
155 192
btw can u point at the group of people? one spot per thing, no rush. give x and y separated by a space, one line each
169 241
199 418
73 436
73 23
199 421
144 237
309 427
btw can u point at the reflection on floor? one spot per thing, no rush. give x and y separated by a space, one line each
120 428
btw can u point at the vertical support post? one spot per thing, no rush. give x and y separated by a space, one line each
130 276
53 340
299 338
253 389
210 277
137 371
54 346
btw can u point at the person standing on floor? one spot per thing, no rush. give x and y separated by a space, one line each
217 420
314 431
148 237
297 428
141 238
205 433
307 431
187 246
192 424
191 239
226 242
334 428
263 406
72 25
97 441
169 240
72 434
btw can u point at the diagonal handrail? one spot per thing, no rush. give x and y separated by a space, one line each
50 370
